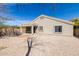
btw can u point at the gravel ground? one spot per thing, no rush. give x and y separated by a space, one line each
43 45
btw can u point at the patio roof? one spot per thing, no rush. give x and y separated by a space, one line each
29 24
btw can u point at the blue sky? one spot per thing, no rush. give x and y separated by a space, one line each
24 13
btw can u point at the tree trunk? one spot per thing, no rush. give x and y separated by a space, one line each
29 47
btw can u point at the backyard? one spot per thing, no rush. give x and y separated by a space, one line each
42 45
14 40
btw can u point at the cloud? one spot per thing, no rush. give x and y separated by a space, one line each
17 22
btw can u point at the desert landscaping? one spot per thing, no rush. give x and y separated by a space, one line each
28 30
43 45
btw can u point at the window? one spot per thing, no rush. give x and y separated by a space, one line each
40 28
58 28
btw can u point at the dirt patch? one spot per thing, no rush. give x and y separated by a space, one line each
43 45
2 47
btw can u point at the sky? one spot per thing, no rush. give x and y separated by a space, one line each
21 13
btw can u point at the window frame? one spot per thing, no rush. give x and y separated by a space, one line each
58 29
41 30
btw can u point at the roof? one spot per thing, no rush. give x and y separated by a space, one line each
29 24
51 18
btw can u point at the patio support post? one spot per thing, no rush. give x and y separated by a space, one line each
32 29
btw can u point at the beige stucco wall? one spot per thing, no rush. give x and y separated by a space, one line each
48 26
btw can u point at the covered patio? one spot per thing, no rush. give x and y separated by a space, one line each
29 28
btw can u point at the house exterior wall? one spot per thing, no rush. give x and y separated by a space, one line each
49 26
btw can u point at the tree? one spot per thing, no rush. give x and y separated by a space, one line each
76 23
76 26
29 43
33 43
3 9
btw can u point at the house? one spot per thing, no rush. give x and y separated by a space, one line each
48 25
